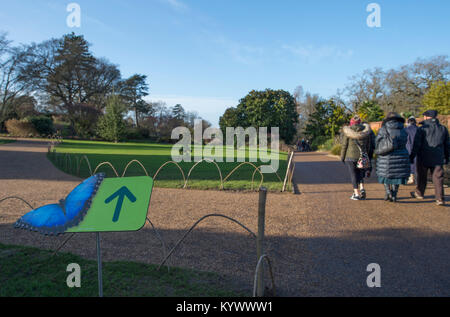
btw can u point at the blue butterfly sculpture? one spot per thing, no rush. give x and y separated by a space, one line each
57 218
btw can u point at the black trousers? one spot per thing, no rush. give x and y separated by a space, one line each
437 173
356 174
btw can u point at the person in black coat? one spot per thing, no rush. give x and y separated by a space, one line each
411 129
393 168
431 147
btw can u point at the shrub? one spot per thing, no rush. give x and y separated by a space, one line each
84 119
318 141
21 128
336 149
133 134
43 125
327 145
111 126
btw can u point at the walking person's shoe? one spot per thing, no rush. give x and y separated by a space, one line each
411 180
355 197
416 195
394 197
388 194
394 193
440 203
363 194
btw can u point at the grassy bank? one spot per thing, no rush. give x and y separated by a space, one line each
29 271
6 141
152 156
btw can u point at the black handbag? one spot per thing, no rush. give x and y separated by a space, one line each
385 145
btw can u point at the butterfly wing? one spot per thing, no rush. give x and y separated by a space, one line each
80 198
46 219
57 218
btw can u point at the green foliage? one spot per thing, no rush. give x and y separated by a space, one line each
318 141
325 122
336 149
84 118
111 125
132 90
231 118
133 133
43 125
438 98
370 111
327 145
268 108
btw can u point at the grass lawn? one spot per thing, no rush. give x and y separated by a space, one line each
5 141
26 271
204 176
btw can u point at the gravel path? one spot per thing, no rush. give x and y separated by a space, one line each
320 241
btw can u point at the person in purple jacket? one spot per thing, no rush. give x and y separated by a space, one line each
411 130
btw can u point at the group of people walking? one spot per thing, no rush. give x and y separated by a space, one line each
303 145
403 155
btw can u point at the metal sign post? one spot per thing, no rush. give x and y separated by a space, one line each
99 265
260 238
97 205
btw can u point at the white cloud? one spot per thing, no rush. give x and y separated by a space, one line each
176 4
209 108
241 53
313 54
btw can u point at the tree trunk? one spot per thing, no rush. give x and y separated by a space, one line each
136 116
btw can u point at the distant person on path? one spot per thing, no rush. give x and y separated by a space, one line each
411 129
431 147
303 145
299 143
307 146
355 142
393 165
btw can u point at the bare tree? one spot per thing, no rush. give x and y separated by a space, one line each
401 89
305 105
13 85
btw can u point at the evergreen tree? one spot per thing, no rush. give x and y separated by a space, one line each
111 125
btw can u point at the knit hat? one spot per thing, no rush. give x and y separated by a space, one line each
355 120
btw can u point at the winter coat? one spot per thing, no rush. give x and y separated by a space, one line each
431 144
394 165
358 134
411 130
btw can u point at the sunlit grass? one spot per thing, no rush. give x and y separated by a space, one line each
204 176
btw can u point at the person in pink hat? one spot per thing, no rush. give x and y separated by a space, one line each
355 144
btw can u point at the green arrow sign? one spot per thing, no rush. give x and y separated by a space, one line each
121 193
121 204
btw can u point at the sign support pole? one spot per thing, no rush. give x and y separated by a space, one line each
260 239
99 264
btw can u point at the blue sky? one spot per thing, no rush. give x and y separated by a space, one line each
207 54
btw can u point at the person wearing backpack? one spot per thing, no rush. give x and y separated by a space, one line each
393 164
411 130
356 146
431 147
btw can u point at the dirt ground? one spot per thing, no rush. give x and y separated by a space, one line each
320 242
